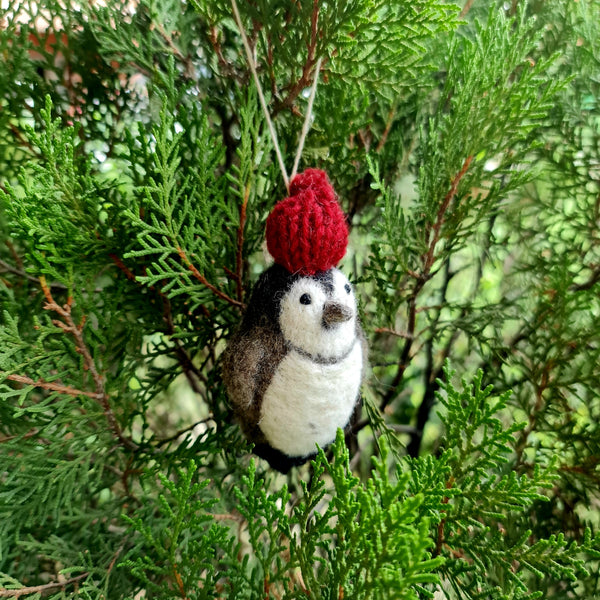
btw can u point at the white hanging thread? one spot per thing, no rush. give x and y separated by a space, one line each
306 126
263 103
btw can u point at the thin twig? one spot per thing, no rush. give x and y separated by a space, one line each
442 524
179 580
305 78
23 142
228 517
6 267
114 560
123 267
23 437
226 68
181 432
466 8
193 375
205 282
41 589
386 131
440 217
590 283
433 233
432 374
68 325
14 254
239 258
186 60
400 334
53 386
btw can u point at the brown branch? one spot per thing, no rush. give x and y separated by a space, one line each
441 525
228 517
239 261
113 561
179 581
401 334
68 325
270 64
24 437
213 37
305 79
205 282
533 416
386 131
183 431
53 386
8 268
186 60
433 233
440 217
22 141
432 374
123 267
41 589
193 375
466 8
14 254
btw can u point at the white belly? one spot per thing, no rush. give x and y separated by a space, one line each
306 402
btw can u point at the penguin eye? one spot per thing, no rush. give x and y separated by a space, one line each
305 299
347 288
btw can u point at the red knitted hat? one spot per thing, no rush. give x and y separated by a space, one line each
307 232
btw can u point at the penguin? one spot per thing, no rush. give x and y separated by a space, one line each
294 368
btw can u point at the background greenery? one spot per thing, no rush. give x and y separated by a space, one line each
136 175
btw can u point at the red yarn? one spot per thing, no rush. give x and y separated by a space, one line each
307 231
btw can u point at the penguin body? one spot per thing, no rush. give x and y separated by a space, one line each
293 369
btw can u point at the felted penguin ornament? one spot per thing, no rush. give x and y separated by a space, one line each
294 368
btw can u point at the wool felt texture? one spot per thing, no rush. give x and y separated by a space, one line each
293 369
307 232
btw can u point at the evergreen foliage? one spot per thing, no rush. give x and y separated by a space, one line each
136 175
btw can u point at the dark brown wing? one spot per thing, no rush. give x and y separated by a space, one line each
251 358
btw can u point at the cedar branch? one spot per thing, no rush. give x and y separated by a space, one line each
433 233
205 282
442 524
179 581
53 386
465 9
400 334
386 131
305 79
41 589
239 261
440 217
68 325
193 375
8 268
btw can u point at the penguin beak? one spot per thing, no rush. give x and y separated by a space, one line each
334 313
